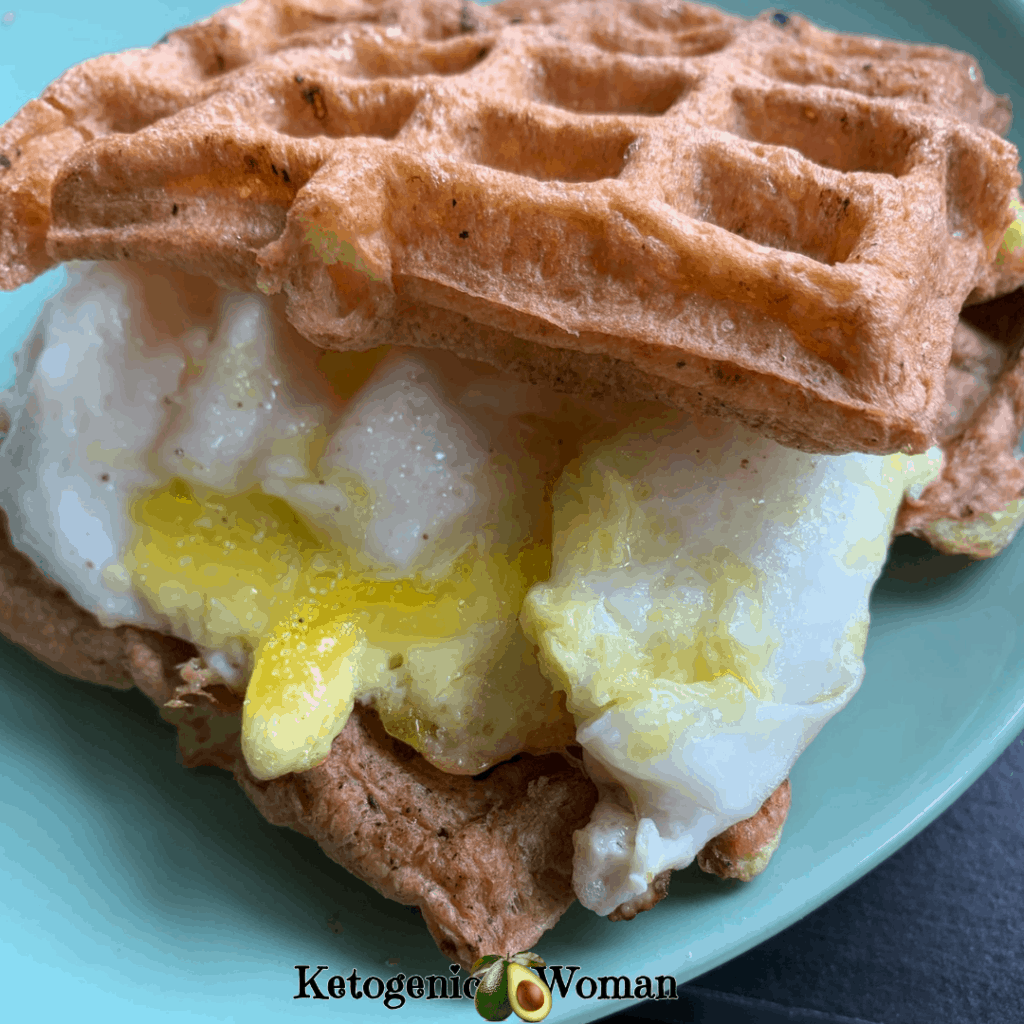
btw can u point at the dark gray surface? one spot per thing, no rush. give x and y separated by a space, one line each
934 935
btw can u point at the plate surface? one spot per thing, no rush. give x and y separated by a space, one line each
134 889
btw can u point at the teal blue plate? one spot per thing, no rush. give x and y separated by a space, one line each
134 889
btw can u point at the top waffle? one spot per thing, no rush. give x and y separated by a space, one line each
654 200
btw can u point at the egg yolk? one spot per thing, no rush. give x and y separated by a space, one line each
247 575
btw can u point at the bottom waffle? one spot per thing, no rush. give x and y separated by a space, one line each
977 504
487 860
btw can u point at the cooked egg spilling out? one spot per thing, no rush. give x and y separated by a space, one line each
707 613
245 574
690 604
393 568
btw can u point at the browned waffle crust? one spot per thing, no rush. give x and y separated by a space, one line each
639 199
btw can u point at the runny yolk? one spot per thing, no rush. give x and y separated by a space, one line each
246 575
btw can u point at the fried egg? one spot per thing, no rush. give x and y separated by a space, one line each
683 598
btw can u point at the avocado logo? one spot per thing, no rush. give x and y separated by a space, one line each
508 984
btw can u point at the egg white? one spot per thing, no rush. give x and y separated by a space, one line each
91 398
119 391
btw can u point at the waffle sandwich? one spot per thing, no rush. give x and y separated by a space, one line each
622 201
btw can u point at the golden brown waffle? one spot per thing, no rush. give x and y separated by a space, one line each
641 199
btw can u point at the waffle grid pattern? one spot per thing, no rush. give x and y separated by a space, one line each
757 218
